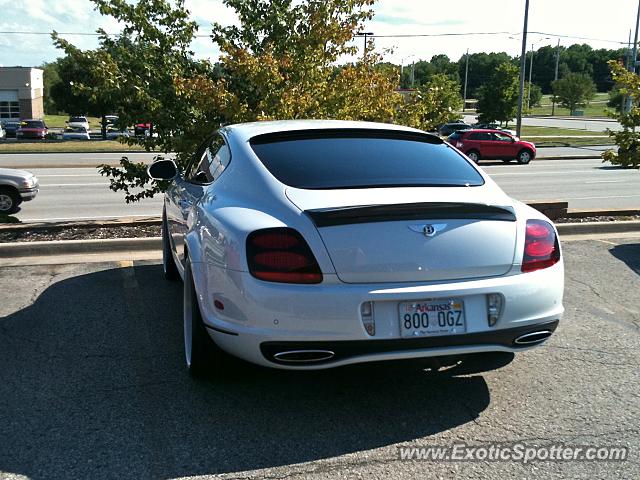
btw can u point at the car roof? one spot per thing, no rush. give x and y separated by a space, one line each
487 130
246 131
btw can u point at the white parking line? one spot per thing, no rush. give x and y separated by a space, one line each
74 184
606 181
69 175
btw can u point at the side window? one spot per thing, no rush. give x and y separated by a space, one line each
475 136
202 169
502 137
220 160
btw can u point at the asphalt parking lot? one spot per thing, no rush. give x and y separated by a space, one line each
93 386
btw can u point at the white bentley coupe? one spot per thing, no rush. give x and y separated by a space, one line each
313 244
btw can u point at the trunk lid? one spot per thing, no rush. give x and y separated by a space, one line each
417 234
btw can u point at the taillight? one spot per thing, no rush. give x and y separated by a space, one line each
459 144
281 255
541 249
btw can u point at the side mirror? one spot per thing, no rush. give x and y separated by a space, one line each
163 169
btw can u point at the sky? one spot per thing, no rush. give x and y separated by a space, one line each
607 25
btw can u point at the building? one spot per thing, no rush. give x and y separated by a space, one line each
21 93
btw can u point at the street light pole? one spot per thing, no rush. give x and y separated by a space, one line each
522 67
530 72
555 77
466 76
634 56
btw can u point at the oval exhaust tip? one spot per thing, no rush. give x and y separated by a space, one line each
533 337
303 356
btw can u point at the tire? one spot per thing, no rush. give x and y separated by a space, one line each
9 200
203 357
474 156
524 156
169 267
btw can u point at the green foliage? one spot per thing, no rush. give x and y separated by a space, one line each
498 98
50 78
422 71
278 62
616 99
432 104
482 67
627 139
534 96
574 90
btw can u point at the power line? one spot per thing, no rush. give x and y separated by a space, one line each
399 35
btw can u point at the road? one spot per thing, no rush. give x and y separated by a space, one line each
80 193
578 123
94 386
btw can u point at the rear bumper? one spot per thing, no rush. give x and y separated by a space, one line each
348 351
259 318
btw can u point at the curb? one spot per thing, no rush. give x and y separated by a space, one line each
116 222
41 249
38 249
588 228
43 152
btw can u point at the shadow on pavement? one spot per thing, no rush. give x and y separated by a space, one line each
629 253
93 386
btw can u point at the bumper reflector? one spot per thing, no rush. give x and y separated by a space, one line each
495 302
366 313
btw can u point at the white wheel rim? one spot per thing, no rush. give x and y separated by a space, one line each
187 320
524 156
5 203
473 156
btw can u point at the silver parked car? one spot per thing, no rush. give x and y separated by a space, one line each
314 244
16 186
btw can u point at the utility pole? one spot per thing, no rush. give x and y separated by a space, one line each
413 72
555 77
634 55
627 65
466 75
530 72
522 67
365 35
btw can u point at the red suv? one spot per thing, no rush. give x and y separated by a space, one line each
494 144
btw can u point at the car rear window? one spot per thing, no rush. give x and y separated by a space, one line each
77 119
455 136
325 159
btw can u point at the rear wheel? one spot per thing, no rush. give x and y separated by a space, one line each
9 200
524 156
202 355
474 156
169 267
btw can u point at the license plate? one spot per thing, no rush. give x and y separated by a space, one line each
427 318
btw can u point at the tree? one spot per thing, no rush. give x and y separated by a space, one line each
616 99
278 62
627 139
432 104
498 98
50 79
482 67
535 96
574 90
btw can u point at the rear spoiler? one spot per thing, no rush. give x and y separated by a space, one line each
329 217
